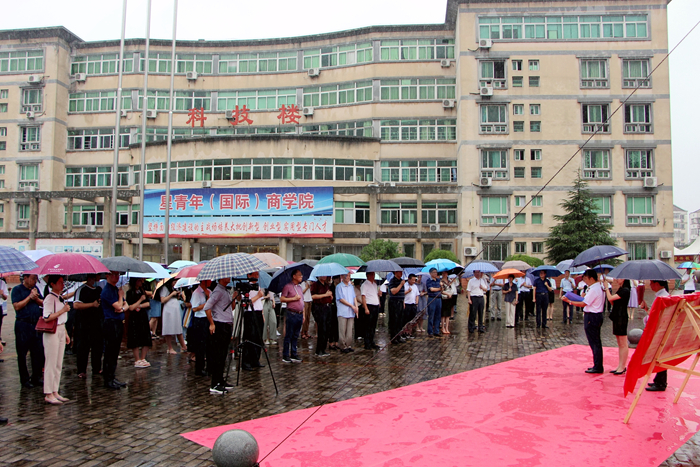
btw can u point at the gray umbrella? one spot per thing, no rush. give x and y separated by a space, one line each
125 264
598 254
310 262
406 262
380 265
645 269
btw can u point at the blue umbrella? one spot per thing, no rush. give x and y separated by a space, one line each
482 266
597 254
440 264
600 267
12 260
328 270
284 276
180 263
645 269
688 265
550 270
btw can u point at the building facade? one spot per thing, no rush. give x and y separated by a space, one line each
434 136
680 227
694 226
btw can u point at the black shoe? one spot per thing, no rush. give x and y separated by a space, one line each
248 367
368 347
112 385
493 319
498 319
594 370
295 359
3 420
347 350
545 327
619 372
202 373
119 383
28 385
482 329
375 347
226 385
258 365
655 388
218 389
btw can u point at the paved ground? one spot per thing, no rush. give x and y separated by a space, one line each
140 426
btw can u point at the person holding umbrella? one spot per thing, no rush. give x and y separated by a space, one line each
220 316
197 335
476 290
27 302
688 281
293 296
618 315
397 294
566 285
138 337
113 307
510 297
55 343
593 306
346 303
434 303
370 307
541 299
88 326
660 289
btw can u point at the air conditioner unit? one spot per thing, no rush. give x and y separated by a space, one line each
308 111
90 228
486 91
650 182
30 114
124 112
229 114
485 181
445 63
485 43
313 72
448 104
80 77
434 227
206 184
151 113
192 75
27 188
35 79
665 254
470 251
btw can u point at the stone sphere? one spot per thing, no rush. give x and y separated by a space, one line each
235 448
634 335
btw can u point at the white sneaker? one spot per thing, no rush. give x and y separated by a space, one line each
267 343
278 333
140 364
145 363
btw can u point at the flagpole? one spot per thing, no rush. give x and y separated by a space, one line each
144 109
166 237
117 139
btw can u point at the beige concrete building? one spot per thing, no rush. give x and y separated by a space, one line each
434 136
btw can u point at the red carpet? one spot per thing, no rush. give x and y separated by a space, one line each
536 410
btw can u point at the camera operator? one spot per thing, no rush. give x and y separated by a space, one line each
220 317
251 307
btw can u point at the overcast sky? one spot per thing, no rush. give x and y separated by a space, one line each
206 19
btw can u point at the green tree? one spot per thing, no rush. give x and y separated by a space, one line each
580 228
380 249
532 261
441 254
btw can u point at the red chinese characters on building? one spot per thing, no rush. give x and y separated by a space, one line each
289 200
242 202
240 116
226 201
196 115
273 200
182 202
306 201
196 202
289 114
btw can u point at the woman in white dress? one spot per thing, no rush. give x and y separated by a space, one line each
172 317
634 300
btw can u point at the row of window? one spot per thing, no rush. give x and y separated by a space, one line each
569 27
499 250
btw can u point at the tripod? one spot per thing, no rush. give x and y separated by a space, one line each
238 349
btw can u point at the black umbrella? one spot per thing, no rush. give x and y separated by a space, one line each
597 254
645 269
284 276
125 264
380 265
406 262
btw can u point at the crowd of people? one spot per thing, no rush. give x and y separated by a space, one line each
91 318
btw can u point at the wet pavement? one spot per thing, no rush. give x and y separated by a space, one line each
140 425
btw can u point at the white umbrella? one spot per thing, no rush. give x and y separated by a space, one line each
36 254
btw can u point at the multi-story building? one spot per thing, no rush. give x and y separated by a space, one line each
434 136
694 226
680 227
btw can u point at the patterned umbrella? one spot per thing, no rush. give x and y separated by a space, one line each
344 259
66 264
231 265
12 260
271 259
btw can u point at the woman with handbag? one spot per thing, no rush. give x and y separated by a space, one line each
55 310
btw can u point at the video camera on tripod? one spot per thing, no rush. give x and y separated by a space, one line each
244 288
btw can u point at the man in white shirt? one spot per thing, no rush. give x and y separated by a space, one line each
593 305
410 302
476 289
370 307
524 293
199 330
566 285
660 288
496 298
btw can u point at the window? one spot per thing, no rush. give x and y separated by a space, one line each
419 171
535 127
494 210
421 49
419 130
23 216
534 81
518 127
3 145
535 154
492 73
518 109
640 210
495 251
88 140
2 183
3 131
201 63
439 213
520 247
30 138
360 128
635 73
536 220
537 201
2 172
557 27
31 100
519 201
639 163
520 219
494 163
28 175
602 207
638 118
271 99
185 100
427 248
447 246
517 81
518 172
595 118
641 250
415 89
534 109
594 74
3 108
103 101
349 212
398 213
99 64
337 94
533 65
517 65
519 154
3 93
261 62
135 210
493 118
537 247
23 60
91 215
596 163
340 56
